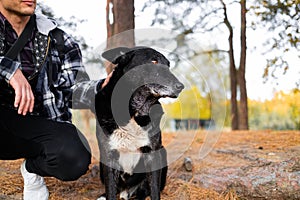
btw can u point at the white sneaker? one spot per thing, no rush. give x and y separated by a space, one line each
34 185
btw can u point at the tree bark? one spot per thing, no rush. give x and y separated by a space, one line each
243 110
119 24
232 74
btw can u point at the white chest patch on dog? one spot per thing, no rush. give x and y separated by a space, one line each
127 140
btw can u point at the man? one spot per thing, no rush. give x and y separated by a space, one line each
36 91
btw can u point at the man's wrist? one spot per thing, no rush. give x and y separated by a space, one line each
8 68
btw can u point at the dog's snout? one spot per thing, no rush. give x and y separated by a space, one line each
179 86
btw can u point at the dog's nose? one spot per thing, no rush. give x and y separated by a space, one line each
179 86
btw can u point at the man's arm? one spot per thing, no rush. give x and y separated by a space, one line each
10 72
24 98
78 88
84 93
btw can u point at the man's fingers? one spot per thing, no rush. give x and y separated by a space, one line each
24 99
31 101
18 96
26 102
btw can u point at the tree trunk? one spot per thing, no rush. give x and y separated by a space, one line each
119 24
233 74
243 110
233 87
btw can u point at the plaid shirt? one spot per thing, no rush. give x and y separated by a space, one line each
61 84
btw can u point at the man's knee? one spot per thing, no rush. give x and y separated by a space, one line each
76 168
73 163
69 159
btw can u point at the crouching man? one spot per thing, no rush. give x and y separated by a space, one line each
36 88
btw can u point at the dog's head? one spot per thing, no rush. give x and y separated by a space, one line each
146 70
141 77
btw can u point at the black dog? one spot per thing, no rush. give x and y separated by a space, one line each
133 161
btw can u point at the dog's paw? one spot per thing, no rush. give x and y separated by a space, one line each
101 198
124 195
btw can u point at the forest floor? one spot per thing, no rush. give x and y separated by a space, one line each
225 166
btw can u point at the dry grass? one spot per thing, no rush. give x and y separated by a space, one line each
89 186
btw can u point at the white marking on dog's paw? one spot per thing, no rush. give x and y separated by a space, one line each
124 195
101 198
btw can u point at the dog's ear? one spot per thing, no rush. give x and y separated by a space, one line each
113 55
123 60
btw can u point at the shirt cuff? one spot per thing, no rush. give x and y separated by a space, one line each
99 85
8 68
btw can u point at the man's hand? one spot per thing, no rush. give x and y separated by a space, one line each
24 99
107 80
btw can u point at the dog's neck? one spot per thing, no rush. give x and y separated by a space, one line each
108 89
145 108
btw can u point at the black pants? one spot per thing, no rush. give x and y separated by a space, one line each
50 148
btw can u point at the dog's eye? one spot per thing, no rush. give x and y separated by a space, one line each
154 62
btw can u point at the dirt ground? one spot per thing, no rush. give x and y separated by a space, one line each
225 165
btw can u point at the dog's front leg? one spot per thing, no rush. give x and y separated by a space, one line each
111 174
110 183
154 180
154 170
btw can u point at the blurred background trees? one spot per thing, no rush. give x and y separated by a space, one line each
281 18
119 19
222 28
191 17
280 113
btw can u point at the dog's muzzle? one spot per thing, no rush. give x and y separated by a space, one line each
178 88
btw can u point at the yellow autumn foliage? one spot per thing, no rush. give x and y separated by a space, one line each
189 105
282 111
